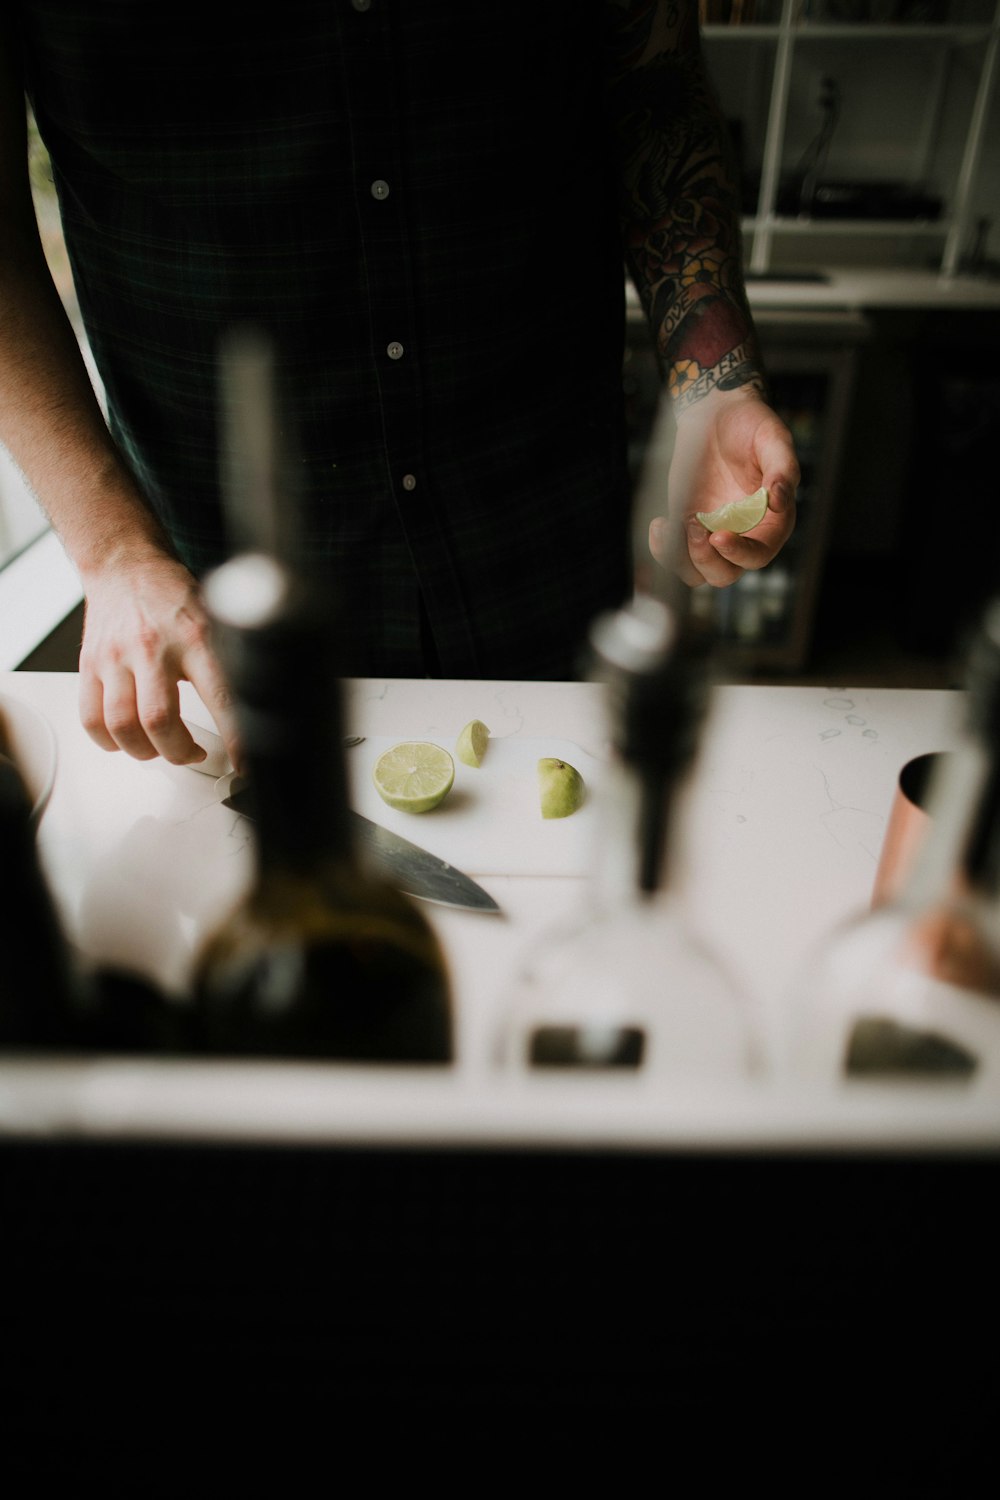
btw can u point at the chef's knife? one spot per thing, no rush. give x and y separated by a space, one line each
411 869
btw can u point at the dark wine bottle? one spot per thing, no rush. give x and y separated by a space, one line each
36 978
321 959
49 1002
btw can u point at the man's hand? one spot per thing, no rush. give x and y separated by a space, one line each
146 630
680 207
727 445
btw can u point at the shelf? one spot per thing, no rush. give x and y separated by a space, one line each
787 225
766 30
782 37
962 32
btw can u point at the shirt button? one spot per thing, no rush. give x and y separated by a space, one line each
409 481
394 350
380 189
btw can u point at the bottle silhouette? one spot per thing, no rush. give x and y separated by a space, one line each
321 959
627 984
36 978
48 1001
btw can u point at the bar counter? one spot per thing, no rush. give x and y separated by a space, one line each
232 1269
788 813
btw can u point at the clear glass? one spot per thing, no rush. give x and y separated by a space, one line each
629 990
627 984
911 988
901 994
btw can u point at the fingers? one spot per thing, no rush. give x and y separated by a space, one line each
718 558
735 446
140 717
753 549
91 703
778 464
205 676
139 711
685 548
146 631
671 547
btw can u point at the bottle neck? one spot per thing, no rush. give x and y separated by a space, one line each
298 780
639 835
979 763
279 640
981 860
655 675
952 899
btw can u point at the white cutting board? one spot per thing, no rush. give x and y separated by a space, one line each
490 823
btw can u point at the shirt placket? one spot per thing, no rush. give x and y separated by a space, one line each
381 188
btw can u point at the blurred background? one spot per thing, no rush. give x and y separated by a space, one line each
868 136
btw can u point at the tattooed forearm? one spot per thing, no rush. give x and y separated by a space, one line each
680 200
688 380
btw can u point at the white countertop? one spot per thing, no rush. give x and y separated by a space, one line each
789 809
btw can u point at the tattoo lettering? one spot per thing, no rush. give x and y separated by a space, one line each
688 381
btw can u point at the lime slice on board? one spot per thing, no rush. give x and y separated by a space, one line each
414 776
560 787
471 744
738 515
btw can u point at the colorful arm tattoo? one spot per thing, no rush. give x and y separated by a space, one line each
680 200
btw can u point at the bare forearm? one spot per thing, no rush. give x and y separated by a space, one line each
50 419
54 428
680 201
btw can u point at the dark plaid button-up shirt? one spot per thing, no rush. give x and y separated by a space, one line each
417 198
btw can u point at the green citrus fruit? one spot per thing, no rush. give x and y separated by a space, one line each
414 776
560 787
471 744
738 515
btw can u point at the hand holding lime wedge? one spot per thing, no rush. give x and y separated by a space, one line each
739 515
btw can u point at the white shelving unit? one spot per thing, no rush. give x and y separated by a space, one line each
797 37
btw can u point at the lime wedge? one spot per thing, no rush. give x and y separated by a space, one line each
414 776
738 515
560 787
471 744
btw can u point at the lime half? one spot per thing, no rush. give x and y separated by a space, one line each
560 787
414 776
471 744
738 515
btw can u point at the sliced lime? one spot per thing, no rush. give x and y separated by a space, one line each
471 744
560 787
738 515
414 776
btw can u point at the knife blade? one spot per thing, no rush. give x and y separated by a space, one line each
413 870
